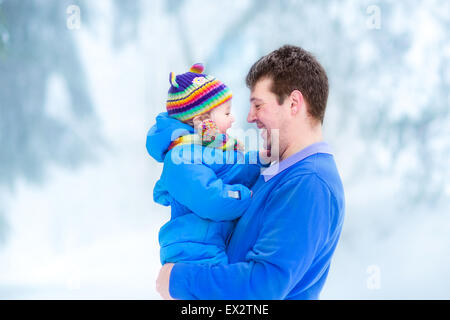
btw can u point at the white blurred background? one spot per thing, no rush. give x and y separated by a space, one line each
82 81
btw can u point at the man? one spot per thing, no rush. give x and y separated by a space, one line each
282 245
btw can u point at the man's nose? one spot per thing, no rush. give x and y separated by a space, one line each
251 115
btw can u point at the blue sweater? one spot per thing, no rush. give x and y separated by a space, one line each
282 245
206 188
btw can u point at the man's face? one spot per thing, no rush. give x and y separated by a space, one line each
265 111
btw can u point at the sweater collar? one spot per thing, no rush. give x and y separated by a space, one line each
277 167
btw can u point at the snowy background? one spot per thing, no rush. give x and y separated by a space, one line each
77 96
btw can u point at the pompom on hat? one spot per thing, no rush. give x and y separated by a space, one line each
194 93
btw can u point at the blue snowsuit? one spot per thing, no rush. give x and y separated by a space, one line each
207 189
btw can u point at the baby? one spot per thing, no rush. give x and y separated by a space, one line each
206 178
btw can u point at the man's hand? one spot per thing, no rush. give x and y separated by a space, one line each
162 283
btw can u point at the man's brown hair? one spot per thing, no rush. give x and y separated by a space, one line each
293 68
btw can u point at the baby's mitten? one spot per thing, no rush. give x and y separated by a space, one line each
209 131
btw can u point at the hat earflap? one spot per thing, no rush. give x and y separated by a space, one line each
173 80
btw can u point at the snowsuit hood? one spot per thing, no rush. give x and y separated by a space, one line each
163 133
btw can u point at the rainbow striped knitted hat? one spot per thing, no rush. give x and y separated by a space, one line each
194 93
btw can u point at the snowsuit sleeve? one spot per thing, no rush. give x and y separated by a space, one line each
196 186
295 224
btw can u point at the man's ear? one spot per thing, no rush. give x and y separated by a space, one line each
297 102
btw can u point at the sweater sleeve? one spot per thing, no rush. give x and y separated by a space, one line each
295 224
196 186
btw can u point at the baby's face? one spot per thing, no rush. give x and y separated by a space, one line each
222 116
